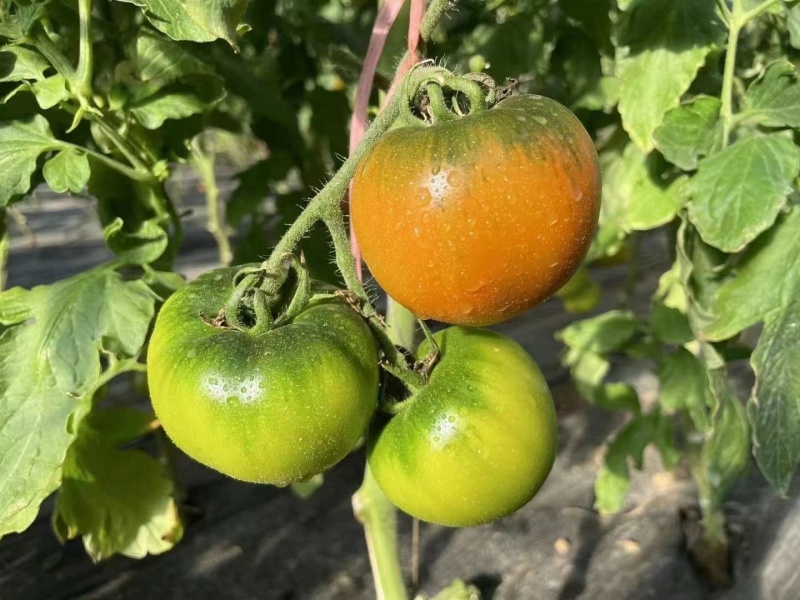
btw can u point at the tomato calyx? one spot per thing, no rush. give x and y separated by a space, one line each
435 95
412 377
262 300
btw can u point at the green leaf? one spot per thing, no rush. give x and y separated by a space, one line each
67 171
613 479
21 143
670 325
764 283
684 385
635 195
600 335
177 102
773 100
195 20
738 192
19 23
18 63
774 407
725 456
458 590
160 59
50 91
690 131
139 246
580 294
663 45
793 22
587 342
49 366
119 501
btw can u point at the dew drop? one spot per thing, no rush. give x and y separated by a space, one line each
540 120
417 231
455 178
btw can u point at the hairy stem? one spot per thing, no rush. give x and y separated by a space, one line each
379 518
334 191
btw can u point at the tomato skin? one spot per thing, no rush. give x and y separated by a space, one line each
273 408
474 221
477 442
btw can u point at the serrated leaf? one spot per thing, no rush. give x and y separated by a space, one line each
637 198
684 385
195 20
140 246
601 334
17 25
773 100
177 102
774 407
50 91
738 192
725 456
49 365
120 502
670 325
21 144
18 63
767 280
690 131
67 171
160 59
793 22
613 479
663 45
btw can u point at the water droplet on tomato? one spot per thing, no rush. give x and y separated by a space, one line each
417 231
540 120
466 309
455 178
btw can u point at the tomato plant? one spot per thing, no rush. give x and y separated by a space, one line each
477 441
276 405
471 200
475 220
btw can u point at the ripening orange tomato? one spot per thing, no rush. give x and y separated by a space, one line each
476 220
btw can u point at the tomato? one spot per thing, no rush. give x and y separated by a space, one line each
476 442
476 220
276 407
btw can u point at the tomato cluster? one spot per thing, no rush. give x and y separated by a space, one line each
468 222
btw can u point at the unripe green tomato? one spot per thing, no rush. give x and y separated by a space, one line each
476 442
276 407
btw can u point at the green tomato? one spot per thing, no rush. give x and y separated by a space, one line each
476 442
276 407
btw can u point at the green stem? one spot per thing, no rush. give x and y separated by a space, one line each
737 18
379 518
431 19
758 10
141 176
5 243
121 144
726 110
334 191
38 37
347 267
204 165
83 74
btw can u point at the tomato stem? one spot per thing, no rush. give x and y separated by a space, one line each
328 199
